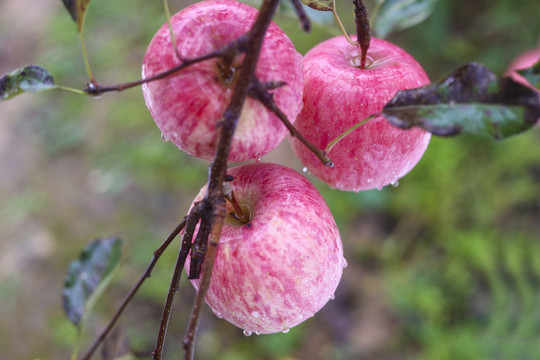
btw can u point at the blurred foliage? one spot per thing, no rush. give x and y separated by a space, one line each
445 266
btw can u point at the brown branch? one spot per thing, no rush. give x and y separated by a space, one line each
215 196
302 16
192 220
259 91
95 89
189 339
147 273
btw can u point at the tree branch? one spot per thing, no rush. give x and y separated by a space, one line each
259 91
215 197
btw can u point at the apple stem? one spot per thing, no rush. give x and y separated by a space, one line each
347 132
239 213
131 294
363 30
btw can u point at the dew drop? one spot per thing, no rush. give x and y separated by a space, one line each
247 333
394 184
257 332
379 188
219 315
332 297
345 263
286 330
304 170
163 137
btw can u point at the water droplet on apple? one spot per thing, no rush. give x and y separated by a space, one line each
394 184
164 138
286 330
247 333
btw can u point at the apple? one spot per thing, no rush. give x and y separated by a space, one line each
523 61
283 265
187 105
339 94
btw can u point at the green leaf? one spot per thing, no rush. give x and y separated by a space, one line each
77 10
321 5
396 15
532 74
88 276
470 100
30 79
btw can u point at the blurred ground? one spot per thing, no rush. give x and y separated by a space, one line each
445 266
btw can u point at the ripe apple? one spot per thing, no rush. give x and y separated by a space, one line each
339 94
285 263
187 105
523 61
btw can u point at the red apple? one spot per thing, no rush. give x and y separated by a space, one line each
523 61
282 266
339 94
187 105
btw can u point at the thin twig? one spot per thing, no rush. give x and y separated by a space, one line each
258 91
191 223
302 16
127 299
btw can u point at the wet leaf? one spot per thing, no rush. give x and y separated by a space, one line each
321 5
30 79
532 75
88 276
77 10
471 100
398 15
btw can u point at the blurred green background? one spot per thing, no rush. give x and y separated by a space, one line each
445 266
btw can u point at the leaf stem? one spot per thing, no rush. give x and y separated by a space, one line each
343 30
173 38
85 53
71 90
347 132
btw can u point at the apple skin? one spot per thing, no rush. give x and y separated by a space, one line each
523 61
338 94
187 105
285 264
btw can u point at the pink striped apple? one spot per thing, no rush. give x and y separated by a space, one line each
339 94
187 105
285 263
